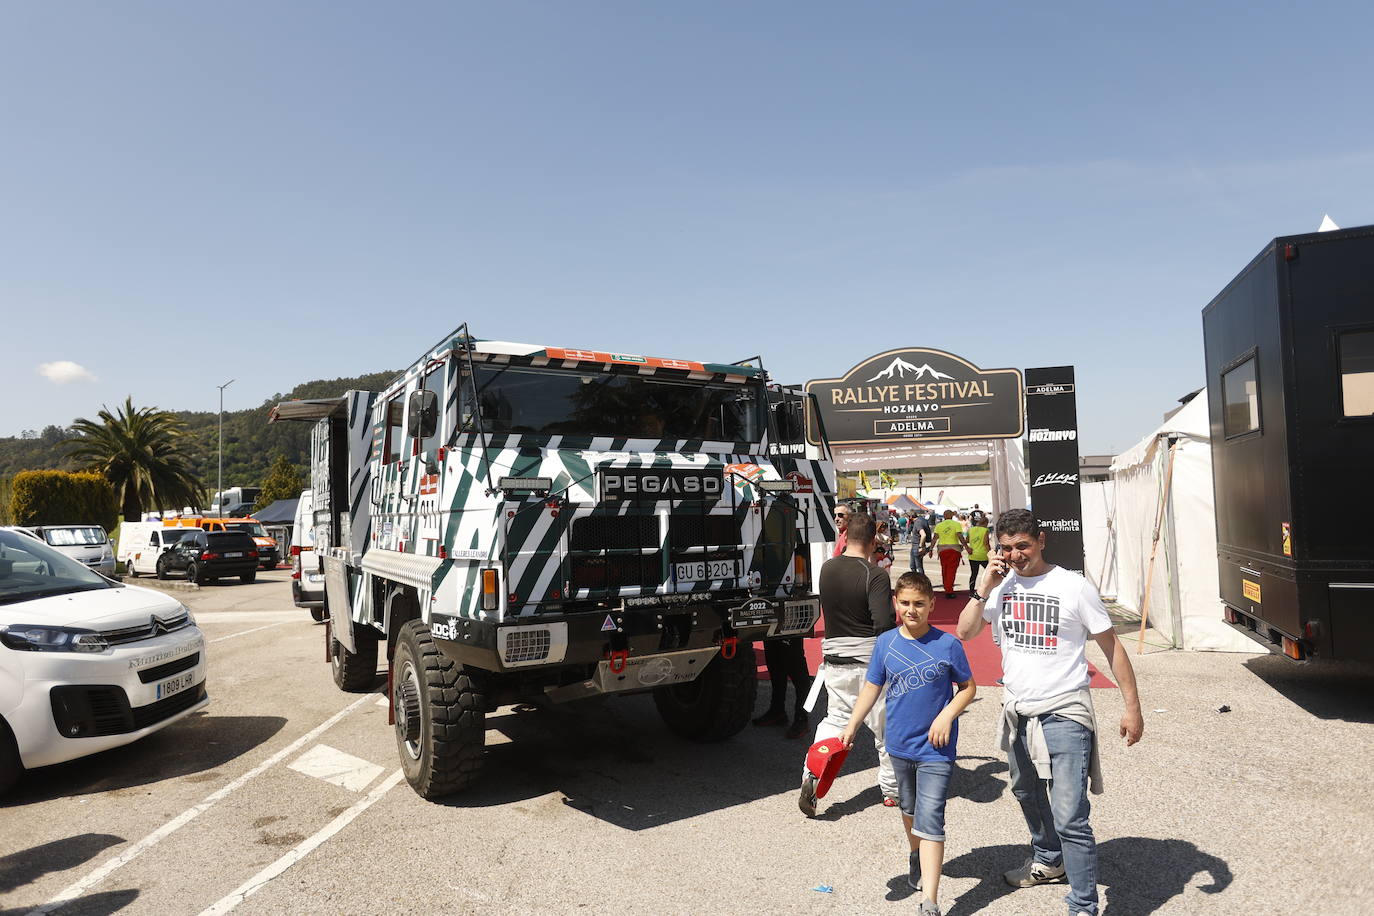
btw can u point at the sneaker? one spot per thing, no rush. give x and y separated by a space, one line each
807 801
1033 873
772 718
928 908
913 875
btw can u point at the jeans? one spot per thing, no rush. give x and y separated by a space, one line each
922 787
1058 821
842 686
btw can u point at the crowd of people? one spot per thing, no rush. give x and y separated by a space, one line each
887 669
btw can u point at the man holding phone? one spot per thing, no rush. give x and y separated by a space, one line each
1042 616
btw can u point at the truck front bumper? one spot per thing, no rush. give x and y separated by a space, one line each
628 632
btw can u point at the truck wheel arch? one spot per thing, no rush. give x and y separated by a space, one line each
402 605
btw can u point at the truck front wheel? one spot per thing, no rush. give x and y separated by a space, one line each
440 715
354 672
717 704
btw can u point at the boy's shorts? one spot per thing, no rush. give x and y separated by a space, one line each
922 787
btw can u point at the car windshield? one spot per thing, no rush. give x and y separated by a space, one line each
31 569
567 403
249 528
75 537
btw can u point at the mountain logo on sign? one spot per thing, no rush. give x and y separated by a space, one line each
900 368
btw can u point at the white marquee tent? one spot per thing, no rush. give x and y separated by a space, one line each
1164 481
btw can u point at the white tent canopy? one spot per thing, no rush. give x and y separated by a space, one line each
1164 480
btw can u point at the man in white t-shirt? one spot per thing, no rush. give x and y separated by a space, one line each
1042 616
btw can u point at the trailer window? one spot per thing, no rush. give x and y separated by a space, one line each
1240 399
1356 349
395 408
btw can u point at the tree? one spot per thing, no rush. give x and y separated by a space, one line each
284 480
141 452
63 498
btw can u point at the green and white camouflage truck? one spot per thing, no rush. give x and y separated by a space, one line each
513 522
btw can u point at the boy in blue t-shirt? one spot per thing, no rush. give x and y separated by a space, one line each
920 666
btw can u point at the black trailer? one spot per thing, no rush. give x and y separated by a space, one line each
1290 386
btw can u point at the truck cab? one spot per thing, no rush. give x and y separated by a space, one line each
560 524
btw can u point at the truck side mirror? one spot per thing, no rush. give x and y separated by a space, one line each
422 414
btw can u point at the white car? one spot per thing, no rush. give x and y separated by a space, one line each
86 664
307 576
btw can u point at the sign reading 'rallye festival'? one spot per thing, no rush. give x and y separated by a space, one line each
917 394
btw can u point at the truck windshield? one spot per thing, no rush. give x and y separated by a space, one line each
570 403
250 528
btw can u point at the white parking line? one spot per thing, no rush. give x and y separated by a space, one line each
246 632
99 874
307 846
333 765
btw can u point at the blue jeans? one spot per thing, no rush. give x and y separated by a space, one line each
1058 821
922 787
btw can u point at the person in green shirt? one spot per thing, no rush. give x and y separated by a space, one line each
950 543
978 545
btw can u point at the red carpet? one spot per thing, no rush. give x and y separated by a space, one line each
983 656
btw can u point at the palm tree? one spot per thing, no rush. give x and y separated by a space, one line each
140 452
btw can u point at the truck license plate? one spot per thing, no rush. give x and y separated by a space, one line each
175 684
702 570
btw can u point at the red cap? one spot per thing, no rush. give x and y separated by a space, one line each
824 760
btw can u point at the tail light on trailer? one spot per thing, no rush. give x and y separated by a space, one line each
799 569
1293 649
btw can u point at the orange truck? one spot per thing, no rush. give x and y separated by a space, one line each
268 552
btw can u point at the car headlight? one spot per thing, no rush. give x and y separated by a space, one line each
30 638
190 618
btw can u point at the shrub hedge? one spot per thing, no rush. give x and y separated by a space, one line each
62 498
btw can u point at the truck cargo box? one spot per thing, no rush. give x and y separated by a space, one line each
1290 383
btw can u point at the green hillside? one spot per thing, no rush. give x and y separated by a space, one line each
250 442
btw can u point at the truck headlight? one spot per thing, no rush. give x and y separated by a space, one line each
30 638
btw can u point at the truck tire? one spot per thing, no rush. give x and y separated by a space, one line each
717 704
354 672
10 765
440 715
318 614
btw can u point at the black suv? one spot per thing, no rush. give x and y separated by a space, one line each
208 555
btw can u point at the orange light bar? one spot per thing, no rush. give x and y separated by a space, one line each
489 593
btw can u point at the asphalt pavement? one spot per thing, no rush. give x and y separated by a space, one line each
284 797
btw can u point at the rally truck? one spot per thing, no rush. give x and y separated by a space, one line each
511 522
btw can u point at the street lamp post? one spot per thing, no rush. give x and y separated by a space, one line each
220 479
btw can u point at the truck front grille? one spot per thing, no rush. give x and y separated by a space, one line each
615 572
694 530
614 532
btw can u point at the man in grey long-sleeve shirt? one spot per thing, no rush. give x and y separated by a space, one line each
856 605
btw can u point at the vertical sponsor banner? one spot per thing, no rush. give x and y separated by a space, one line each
1052 462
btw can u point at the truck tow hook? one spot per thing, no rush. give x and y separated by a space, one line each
728 646
618 659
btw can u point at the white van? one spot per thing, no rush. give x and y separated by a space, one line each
141 543
88 544
307 575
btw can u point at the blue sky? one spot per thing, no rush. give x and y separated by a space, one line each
276 192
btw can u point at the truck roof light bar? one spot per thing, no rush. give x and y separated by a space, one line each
777 486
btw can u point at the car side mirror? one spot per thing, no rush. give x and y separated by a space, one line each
422 414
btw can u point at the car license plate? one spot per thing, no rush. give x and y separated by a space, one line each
237 553
175 684
701 570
